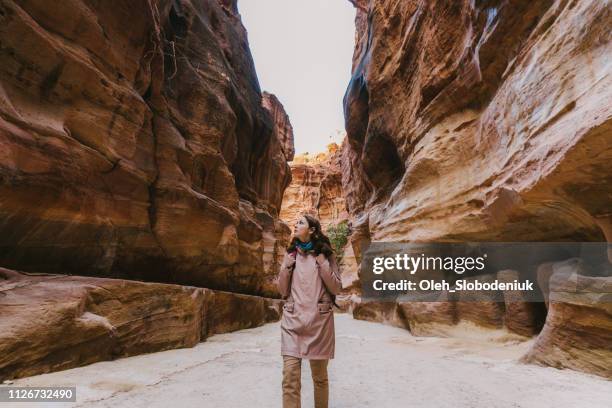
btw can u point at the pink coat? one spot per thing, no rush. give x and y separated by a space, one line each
307 324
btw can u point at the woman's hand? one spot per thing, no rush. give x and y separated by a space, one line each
321 258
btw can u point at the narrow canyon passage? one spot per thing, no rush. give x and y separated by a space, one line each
375 366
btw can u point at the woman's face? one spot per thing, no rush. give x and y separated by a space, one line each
301 229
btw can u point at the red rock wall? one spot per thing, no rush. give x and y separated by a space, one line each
55 322
316 189
482 121
485 121
281 122
134 143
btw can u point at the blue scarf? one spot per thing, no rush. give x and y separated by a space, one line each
304 246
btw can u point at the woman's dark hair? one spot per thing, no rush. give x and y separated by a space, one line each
320 242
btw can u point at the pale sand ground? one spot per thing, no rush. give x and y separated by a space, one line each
375 366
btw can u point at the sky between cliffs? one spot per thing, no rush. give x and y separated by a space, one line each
303 52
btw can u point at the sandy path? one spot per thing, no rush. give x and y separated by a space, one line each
375 366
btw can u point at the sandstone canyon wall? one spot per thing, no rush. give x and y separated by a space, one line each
315 189
135 143
55 322
485 121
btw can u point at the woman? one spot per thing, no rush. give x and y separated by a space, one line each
308 280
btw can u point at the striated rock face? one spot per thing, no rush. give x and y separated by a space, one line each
281 123
316 189
134 142
446 317
482 121
485 121
54 322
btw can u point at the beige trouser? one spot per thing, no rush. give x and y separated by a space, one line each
292 376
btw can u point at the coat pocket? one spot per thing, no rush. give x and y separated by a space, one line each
288 306
324 307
